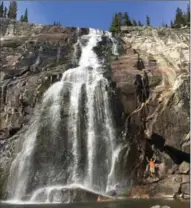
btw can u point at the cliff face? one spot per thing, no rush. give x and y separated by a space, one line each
32 58
156 107
150 83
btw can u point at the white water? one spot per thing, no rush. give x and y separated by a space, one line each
99 129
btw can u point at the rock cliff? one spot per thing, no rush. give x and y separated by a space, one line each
150 97
152 82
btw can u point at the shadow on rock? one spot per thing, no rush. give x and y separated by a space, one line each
176 155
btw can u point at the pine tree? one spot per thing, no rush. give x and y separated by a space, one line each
1 9
120 15
188 15
147 20
134 23
5 12
25 17
179 19
57 24
115 26
21 18
12 13
126 19
139 23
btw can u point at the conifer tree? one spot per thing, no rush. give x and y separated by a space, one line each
147 20
12 13
5 12
25 17
115 26
57 24
1 9
139 23
120 15
179 19
134 23
126 19
188 15
21 18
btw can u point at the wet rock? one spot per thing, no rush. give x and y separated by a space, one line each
65 195
185 188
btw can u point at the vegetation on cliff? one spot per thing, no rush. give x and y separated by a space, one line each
11 12
122 19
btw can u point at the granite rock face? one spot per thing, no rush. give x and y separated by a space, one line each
150 98
32 58
152 84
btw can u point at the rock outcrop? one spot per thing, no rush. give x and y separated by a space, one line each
150 96
152 84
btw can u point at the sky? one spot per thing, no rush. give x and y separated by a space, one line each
98 14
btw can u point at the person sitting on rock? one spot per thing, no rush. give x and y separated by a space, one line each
100 198
151 166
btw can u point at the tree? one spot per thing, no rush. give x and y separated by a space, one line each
57 24
120 15
179 19
139 23
115 25
5 12
126 19
1 9
147 20
188 15
25 17
12 13
21 18
134 23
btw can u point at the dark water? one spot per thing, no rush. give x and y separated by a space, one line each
134 203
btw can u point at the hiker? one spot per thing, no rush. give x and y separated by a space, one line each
151 166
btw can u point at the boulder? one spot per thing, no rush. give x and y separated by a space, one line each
185 188
184 167
65 195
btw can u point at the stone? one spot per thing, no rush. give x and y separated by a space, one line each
158 206
184 167
185 188
66 195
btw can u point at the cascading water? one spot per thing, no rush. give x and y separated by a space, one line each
72 140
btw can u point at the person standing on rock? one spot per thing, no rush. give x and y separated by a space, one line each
151 166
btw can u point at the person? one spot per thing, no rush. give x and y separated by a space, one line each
99 199
151 166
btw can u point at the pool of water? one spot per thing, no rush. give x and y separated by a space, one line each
131 203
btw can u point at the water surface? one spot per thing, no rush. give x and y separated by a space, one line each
131 203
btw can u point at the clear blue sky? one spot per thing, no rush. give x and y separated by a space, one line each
98 14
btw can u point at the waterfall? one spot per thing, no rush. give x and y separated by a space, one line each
72 139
